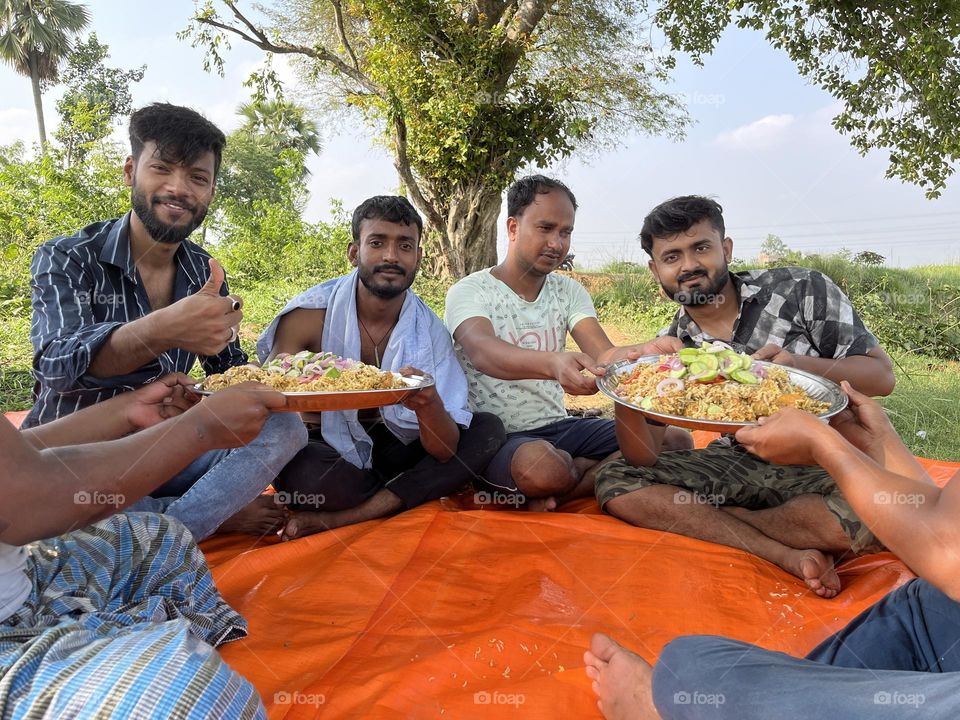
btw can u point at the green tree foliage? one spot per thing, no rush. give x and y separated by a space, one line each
465 94
41 197
265 157
774 248
257 222
282 124
868 257
35 37
894 65
96 97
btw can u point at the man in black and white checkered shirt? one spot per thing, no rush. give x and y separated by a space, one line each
793 516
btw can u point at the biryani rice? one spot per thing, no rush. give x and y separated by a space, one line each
722 402
363 377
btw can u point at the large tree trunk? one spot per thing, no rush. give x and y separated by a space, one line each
471 229
38 101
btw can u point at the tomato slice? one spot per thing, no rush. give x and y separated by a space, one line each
718 379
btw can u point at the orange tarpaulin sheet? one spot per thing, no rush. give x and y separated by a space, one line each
448 611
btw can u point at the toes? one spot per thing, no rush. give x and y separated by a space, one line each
592 673
603 647
291 529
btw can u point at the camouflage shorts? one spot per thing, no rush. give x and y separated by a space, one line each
722 474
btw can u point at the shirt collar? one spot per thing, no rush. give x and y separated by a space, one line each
116 248
116 251
747 290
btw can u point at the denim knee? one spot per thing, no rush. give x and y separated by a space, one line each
284 433
689 671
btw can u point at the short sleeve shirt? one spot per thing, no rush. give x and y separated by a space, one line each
541 325
803 311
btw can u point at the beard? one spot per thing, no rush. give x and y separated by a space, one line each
704 295
159 230
381 288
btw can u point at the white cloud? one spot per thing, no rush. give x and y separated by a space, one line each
760 134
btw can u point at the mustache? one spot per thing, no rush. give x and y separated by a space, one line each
690 276
394 268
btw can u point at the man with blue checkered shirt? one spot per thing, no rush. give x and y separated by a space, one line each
793 516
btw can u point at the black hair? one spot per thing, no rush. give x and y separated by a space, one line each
182 135
525 190
392 208
678 215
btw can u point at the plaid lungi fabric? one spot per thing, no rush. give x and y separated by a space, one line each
121 622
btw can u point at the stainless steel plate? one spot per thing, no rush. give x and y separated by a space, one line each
347 399
818 388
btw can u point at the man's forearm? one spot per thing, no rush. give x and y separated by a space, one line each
901 511
129 347
896 458
504 361
106 420
439 434
69 487
869 375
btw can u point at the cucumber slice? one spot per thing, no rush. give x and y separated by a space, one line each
677 373
712 362
689 355
646 403
745 377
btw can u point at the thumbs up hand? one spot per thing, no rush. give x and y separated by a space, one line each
203 323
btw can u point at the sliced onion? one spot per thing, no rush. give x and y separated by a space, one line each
717 347
676 363
665 385
760 371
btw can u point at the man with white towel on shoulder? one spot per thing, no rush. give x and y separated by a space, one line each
361 465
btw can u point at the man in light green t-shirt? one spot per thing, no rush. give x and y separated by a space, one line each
510 325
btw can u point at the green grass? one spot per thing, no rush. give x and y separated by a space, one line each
926 400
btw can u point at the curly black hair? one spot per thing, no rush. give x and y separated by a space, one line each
678 215
182 135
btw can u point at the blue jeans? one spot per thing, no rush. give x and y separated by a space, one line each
219 483
895 660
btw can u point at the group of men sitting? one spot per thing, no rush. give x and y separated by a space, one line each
123 309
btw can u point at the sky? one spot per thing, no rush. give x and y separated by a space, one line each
761 144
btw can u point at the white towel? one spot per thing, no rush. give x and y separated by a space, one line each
419 339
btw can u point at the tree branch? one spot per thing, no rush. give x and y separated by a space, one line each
526 19
255 36
341 31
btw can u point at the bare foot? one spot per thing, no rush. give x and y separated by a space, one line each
621 679
261 517
302 524
547 504
815 569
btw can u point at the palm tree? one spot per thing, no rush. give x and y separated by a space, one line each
35 36
283 124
